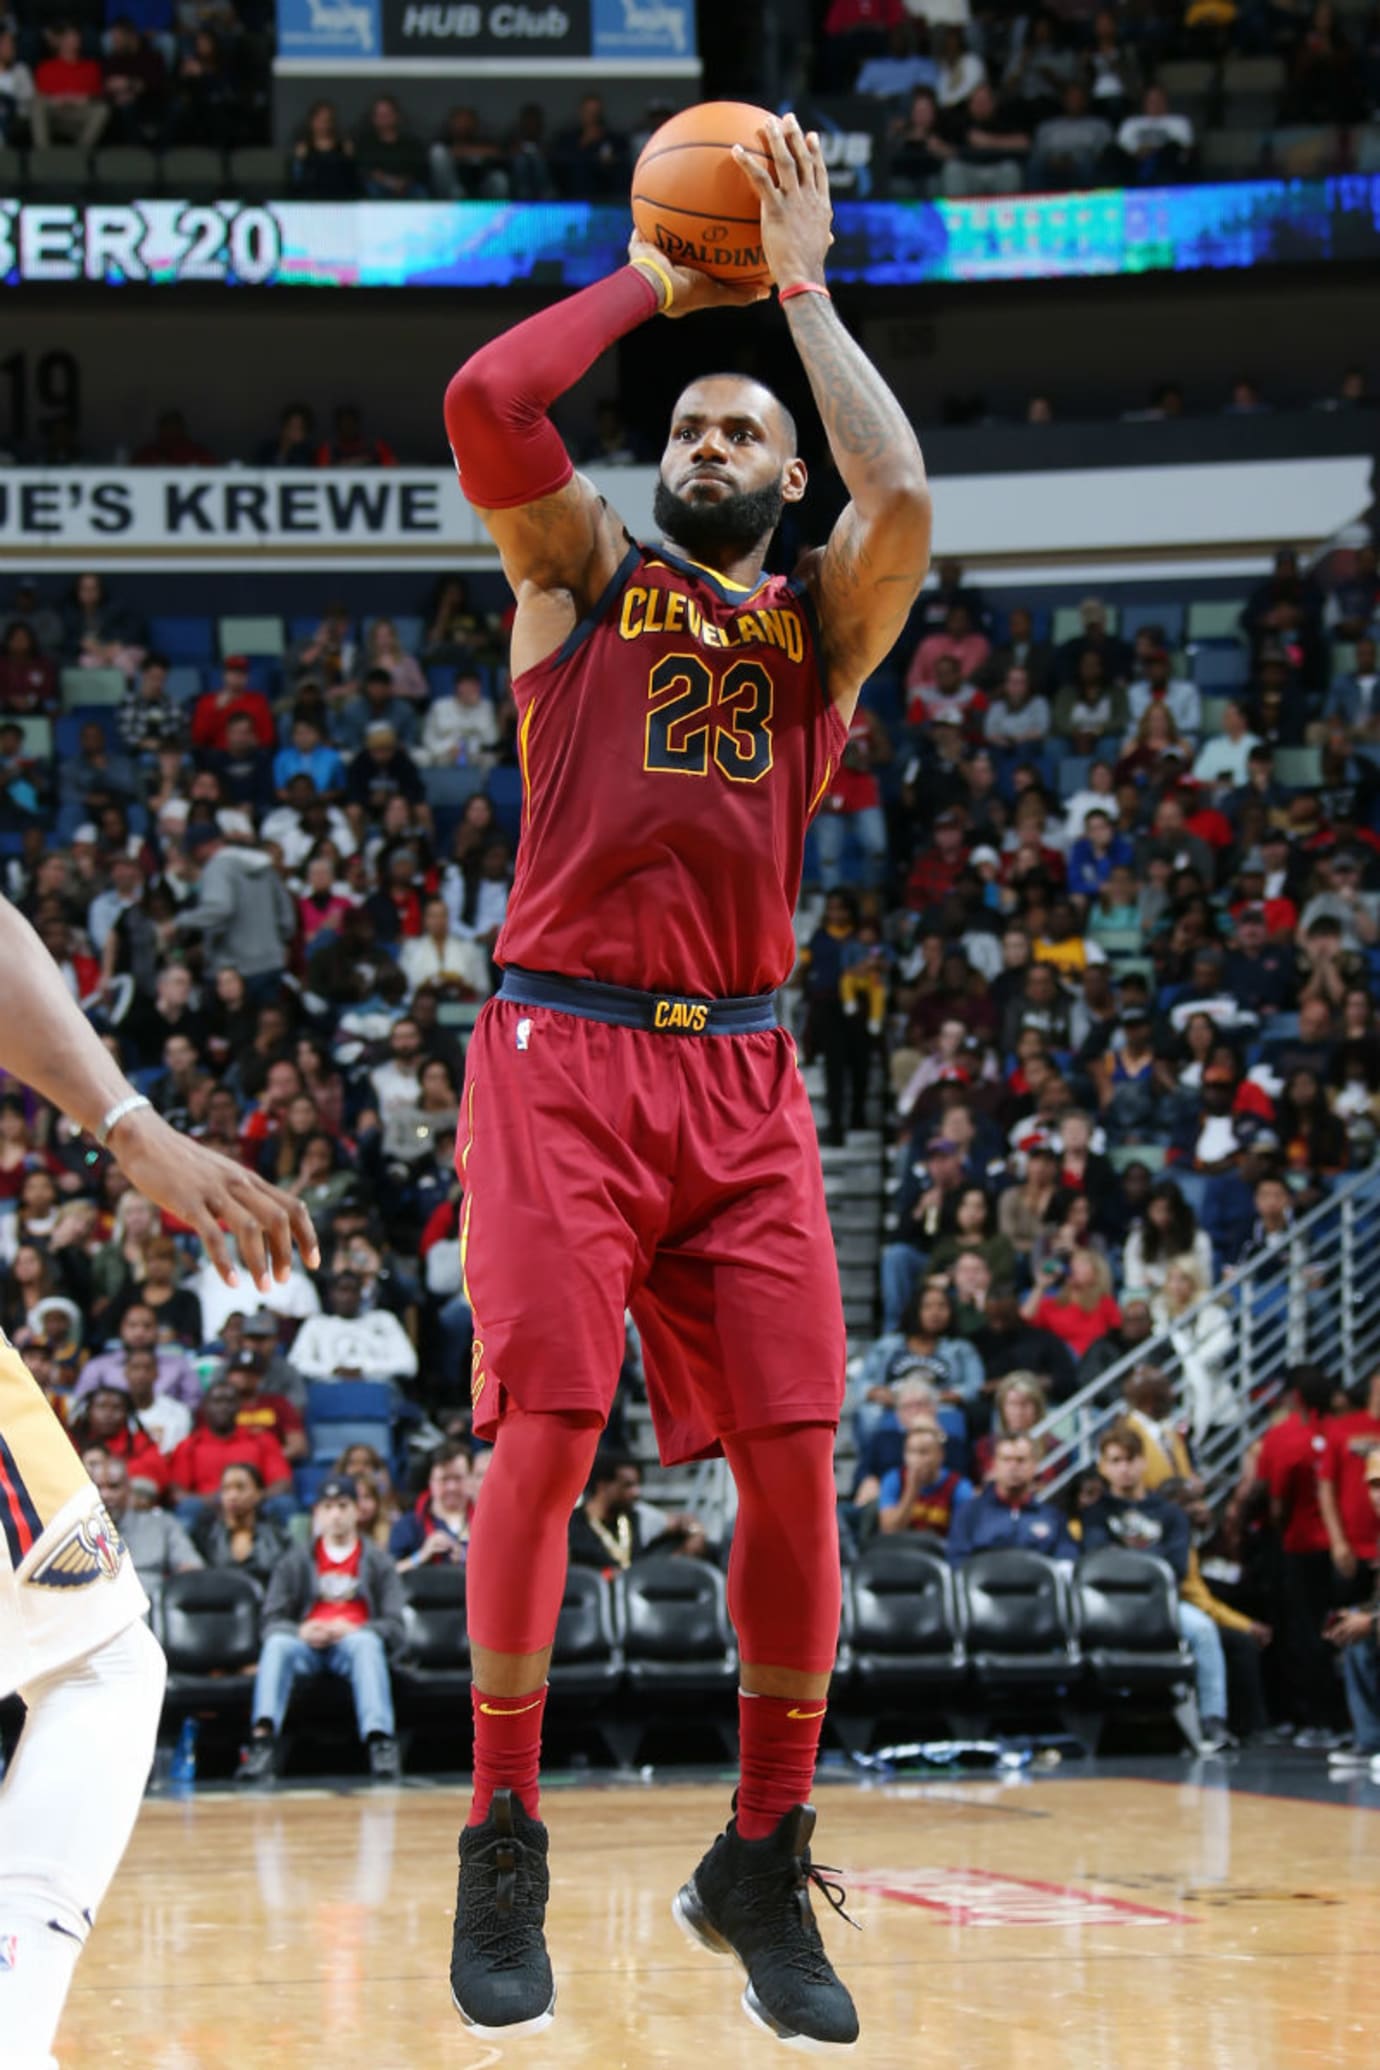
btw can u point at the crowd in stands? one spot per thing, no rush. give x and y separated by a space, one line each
1103 941
999 102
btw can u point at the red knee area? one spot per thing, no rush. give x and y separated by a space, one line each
785 1590
516 1572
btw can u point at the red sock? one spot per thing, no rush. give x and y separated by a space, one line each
779 1745
507 1750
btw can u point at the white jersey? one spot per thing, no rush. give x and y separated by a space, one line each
67 1583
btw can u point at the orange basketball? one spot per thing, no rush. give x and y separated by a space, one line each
693 201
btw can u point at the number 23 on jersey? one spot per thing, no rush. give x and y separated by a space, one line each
699 715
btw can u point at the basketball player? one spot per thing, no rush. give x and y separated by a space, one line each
635 1130
72 1637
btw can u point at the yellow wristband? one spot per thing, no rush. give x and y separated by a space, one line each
655 266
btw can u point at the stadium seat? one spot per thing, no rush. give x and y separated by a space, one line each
1121 941
585 1661
452 788
37 733
259 173
1161 611
1298 768
1365 148
185 683
1068 622
1073 774
260 638
1215 618
1221 668
1249 115
904 1633
1304 152
434 1663
1257 75
192 173
679 1655
183 639
60 173
1125 1621
1230 154
1153 1156
124 172
11 171
208 1622
90 686
1214 712
1018 1626
350 1412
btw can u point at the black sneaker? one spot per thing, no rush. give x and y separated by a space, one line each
751 1898
385 1764
500 1972
259 1760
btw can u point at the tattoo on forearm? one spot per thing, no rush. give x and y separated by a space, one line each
862 417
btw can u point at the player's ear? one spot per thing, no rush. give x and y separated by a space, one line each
794 479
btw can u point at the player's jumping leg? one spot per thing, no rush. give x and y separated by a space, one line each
750 1896
500 1974
67 1808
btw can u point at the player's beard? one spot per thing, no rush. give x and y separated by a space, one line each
743 519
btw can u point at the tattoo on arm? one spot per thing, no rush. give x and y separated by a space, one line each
864 422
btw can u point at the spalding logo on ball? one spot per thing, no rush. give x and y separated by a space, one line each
693 201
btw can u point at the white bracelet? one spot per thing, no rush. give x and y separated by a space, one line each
117 1113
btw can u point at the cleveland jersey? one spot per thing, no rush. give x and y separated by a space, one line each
673 752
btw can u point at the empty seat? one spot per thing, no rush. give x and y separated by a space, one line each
1303 152
1068 622
903 1626
1215 618
1073 774
1165 612
183 639
257 637
350 1412
184 683
505 795
1365 148
125 170
60 173
11 171
259 173
1214 713
1250 112
209 1625
1154 1156
1017 1625
1298 768
192 173
1230 154
1181 76
1224 668
672 1621
452 788
92 686
1125 1618
435 1656
1263 75
585 1662
37 733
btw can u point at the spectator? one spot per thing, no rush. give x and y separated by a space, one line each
960 641
166 1420
919 1213
310 755
1130 1515
1345 1500
335 1608
1356 1633
461 728
1082 1308
346 1344
1070 147
1156 145
392 162
905 65
919 148
28 679
243 911
852 804
1167 1233
217 1442
466 165
261 1409
350 446
968 1224
1177 694
213 711
138 1331
1019 719
529 169
919 1495
172 445
136 82
97 632
1020 1405
16 90
235 1533
589 159
961 70
1008 1512
323 159
207 107
991 150
156 1542
436 1531
606 1531
69 105
380 771
1292 1457
1202 1336
105 1418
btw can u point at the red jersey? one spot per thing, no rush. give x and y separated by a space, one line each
1292 1454
338 1592
202 1458
673 753
1353 1438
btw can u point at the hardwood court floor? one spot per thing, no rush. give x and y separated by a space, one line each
1092 1924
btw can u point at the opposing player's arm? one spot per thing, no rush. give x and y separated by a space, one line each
46 1040
868 576
560 543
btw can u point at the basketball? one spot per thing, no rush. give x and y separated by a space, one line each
693 201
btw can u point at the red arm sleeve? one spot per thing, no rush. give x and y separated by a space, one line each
506 448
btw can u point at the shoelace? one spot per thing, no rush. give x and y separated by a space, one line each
504 1936
805 1950
818 1874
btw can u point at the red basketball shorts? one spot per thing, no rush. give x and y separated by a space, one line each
609 1168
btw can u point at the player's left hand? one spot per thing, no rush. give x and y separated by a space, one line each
797 214
212 1195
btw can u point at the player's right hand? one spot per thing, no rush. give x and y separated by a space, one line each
695 290
212 1195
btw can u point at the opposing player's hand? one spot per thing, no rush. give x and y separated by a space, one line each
797 214
212 1195
694 290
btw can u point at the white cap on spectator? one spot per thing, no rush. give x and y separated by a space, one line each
85 835
235 825
980 857
176 809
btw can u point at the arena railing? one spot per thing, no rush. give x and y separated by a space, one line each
1312 1295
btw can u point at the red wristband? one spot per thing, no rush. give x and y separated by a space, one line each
803 287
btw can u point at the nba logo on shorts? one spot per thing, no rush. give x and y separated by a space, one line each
9 1951
524 1032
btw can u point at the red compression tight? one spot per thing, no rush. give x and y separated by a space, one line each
515 1580
784 1595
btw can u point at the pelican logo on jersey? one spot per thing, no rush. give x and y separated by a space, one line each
91 1551
672 611
680 1016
